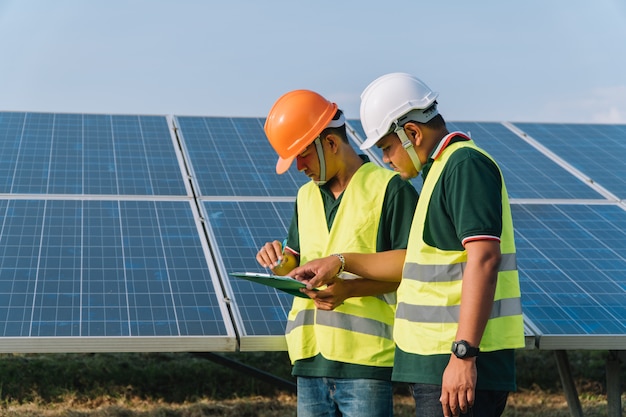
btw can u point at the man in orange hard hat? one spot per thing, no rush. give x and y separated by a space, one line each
340 338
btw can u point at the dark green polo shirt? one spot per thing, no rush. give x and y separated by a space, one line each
393 233
465 202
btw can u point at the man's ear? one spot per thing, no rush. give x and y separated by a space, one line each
414 133
332 142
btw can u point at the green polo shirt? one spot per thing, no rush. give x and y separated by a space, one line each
393 233
465 202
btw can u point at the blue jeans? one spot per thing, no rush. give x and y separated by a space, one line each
334 397
486 403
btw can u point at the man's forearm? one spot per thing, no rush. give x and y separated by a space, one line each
380 266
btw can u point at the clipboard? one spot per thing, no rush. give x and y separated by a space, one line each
284 283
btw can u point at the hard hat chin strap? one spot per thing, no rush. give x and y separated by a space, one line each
408 146
320 156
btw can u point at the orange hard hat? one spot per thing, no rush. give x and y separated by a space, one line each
293 123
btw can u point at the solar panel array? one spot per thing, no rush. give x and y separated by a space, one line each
101 244
118 232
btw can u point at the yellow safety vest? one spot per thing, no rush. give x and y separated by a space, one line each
429 295
360 331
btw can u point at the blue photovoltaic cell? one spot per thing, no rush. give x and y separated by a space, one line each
527 172
240 229
572 266
104 268
597 150
45 153
232 157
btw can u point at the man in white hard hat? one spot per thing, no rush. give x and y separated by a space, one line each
340 340
458 319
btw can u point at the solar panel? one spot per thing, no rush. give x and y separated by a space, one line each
528 173
45 153
573 273
232 157
238 230
132 271
598 151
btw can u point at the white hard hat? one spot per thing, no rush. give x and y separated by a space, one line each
390 97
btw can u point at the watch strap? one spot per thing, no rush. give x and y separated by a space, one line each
470 351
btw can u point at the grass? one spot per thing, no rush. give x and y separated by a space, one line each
521 404
184 385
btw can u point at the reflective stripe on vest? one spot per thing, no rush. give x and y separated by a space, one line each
429 295
341 321
360 331
447 273
450 314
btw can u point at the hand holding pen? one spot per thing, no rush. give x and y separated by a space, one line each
277 257
288 261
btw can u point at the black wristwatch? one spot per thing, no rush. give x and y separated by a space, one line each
463 350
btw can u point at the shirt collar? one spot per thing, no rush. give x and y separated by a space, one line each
436 153
447 140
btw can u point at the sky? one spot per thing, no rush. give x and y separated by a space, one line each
547 61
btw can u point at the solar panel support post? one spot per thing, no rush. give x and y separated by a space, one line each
255 372
613 386
571 395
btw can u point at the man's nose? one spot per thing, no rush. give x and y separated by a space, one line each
299 163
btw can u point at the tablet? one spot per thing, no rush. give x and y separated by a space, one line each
284 283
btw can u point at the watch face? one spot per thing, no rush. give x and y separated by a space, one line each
461 350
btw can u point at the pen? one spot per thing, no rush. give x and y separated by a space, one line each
282 253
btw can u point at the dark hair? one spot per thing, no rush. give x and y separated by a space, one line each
436 122
338 131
